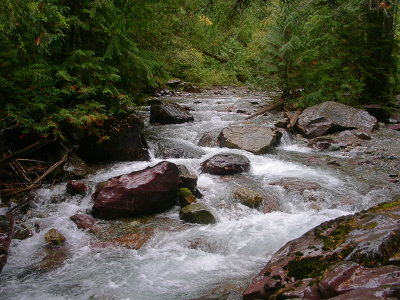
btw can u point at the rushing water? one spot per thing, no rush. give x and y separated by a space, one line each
182 262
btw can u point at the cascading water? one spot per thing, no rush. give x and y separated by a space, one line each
180 261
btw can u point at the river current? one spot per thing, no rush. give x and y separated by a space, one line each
183 261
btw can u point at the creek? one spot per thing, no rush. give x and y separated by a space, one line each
181 261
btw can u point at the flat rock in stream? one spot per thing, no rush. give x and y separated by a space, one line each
255 139
331 261
331 116
226 164
169 113
145 192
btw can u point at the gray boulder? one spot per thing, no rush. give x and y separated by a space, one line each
331 116
186 178
255 139
226 164
169 113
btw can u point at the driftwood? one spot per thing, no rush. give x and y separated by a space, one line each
20 153
294 119
38 181
217 57
266 109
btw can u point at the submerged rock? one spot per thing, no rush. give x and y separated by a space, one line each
6 233
197 213
331 116
345 254
248 197
226 164
255 139
133 240
296 185
169 113
149 191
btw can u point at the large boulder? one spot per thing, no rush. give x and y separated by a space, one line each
144 192
197 213
6 232
255 139
331 116
226 164
169 113
336 257
126 141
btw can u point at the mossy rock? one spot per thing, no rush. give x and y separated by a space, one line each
197 213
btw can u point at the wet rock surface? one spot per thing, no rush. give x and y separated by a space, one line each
169 113
331 116
255 139
197 213
140 193
83 221
361 247
54 238
226 164
75 187
248 197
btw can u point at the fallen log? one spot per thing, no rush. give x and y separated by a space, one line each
266 109
217 57
20 153
294 119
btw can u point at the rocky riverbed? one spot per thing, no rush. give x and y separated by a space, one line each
278 194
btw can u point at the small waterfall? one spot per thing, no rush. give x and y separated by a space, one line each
286 139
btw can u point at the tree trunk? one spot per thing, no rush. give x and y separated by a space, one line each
379 47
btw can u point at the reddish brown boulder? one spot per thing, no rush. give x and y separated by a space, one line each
347 276
226 164
145 192
83 221
75 187
6 232
349 253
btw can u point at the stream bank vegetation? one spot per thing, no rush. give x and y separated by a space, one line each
73 64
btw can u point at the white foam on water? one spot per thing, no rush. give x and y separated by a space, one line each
189 262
